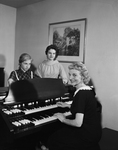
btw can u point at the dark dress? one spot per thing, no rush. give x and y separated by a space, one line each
21 75
88 135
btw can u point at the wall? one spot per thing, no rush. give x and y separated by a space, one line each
101 55
7 38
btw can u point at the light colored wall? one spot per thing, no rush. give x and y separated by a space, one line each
101 55
7 38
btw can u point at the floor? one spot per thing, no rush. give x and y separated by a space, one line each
109 141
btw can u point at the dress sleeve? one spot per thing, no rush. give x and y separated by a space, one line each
79 102
63 74
13 76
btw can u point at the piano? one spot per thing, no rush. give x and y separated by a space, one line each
30 105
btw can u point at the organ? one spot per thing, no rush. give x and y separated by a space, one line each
30 105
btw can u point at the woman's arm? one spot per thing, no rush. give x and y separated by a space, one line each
63 74
12 78
77 122
38 71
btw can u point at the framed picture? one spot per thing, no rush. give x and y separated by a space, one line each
69 37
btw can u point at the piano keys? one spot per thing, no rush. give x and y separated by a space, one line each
22 116
26 116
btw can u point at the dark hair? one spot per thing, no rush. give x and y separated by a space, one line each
24 57
52 47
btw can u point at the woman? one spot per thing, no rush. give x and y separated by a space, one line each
51 68
83 130
24 72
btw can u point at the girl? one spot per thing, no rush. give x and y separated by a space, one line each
51 68
24 72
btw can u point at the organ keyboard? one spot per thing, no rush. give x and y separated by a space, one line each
24 116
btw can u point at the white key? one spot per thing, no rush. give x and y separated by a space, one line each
48 119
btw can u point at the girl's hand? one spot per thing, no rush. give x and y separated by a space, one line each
65 81
10 81
60 116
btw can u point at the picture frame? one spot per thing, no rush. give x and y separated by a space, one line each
69 37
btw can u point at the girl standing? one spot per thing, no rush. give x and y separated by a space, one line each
51 68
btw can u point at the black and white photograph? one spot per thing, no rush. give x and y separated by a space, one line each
58 74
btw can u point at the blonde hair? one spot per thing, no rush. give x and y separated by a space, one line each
83 70
24 57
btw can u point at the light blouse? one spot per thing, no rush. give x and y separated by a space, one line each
51 69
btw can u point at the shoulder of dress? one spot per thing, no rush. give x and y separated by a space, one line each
14 71
55 62
42 63
58 63
86 88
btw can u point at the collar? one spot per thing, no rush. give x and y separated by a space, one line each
82 88
51 62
